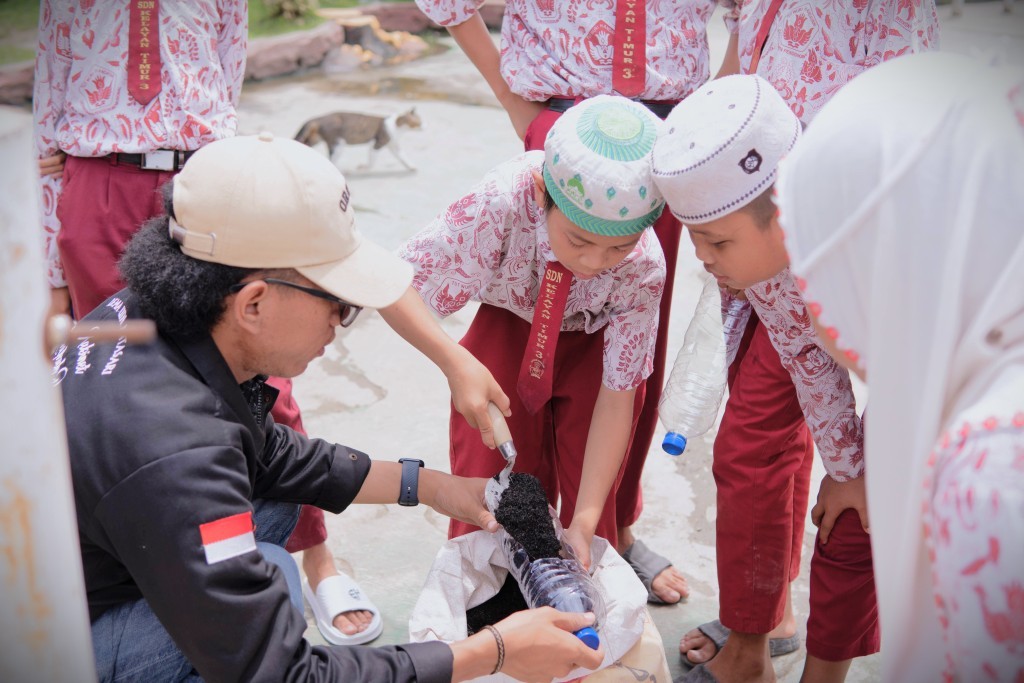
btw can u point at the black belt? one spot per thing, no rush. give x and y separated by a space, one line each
159 160
659 108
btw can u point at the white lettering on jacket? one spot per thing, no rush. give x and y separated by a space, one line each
82 362
59 371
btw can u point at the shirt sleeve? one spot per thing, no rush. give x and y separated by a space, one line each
449 12
456 256
898 28
53 63
232 42
823 388
228 610
632 329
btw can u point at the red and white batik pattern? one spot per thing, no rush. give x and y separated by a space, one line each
492 246
822 386
81 101
815 47
974 526
564 48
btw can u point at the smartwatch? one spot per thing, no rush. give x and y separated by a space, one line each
409 494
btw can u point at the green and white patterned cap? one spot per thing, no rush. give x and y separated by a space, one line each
597 166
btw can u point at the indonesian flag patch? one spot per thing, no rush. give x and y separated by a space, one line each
228 537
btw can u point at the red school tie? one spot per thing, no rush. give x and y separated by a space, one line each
144 50
537 371
629 60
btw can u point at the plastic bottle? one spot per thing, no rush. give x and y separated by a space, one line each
691 398
559 582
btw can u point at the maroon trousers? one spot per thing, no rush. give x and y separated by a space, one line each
102 204
628 493
550 444
762 464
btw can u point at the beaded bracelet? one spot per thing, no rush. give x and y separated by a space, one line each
501 648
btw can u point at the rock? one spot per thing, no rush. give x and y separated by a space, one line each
346 58
377 45
291 52
16 83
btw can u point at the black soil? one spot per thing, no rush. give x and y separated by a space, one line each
506 601
523 511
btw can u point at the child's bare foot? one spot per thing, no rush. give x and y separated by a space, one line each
670 586
663 581
743 659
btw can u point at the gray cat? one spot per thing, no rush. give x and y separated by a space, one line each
347 128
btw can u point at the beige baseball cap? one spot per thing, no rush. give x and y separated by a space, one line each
256 201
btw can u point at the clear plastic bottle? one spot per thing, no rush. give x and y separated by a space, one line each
691 398
559 582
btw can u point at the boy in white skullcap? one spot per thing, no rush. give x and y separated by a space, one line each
566 227
716 163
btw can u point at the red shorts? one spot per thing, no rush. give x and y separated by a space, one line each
550 444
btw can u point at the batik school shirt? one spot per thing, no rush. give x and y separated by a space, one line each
81 101
823 387
564 48
492 246
814 49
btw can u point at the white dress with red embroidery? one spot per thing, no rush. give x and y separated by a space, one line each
814 48
81 101
976 550
492 246
563 48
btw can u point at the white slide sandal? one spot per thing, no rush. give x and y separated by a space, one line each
335 595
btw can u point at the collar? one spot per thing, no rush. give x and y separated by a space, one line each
206 358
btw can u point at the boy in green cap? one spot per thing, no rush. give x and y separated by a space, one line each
555 246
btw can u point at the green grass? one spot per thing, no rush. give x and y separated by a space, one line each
261 24
18 15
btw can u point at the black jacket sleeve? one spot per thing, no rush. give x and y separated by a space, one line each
233 618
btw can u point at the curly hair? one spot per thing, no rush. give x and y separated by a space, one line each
183 295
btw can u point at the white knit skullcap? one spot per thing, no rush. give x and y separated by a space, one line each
720 147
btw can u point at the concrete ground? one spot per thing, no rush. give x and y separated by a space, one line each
373 392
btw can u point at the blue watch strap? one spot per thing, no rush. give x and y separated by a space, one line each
409 494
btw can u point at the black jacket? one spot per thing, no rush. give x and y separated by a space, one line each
162 440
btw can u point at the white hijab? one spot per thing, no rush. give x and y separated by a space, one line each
903 208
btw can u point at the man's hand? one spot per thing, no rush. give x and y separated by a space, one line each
473 387
539 645
833 498
460 498
53 165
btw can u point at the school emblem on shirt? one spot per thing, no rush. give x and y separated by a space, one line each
599 44
228 537
752 162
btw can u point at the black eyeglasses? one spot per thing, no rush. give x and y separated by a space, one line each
348 311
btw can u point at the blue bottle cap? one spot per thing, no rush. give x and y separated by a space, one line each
589 637
674 443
